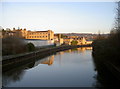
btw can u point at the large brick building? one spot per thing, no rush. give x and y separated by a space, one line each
44 35
23 33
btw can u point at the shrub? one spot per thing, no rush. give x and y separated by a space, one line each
74 42
12 45
30 47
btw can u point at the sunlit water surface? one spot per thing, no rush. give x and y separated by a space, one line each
71 68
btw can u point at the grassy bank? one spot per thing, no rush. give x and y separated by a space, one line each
108 49
106 57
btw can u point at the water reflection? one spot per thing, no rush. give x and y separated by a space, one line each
104 77
48 60
76 50
75 70
13 76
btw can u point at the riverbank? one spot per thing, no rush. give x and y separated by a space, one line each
16 60
70 68
106 54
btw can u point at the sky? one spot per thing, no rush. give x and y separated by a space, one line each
61 17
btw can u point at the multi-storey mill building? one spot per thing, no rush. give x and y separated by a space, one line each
41 35
38 38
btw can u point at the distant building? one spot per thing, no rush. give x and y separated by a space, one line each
74 37
7 33
67 41
58 40
81 41
23 33
43 35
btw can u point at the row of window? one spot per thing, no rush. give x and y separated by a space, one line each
36 33
36 36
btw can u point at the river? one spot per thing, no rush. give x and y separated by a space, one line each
70 68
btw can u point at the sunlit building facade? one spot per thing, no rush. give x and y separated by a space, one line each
43 35
23 33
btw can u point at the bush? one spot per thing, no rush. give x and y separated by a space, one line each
13 45
30 47
108 49
74 42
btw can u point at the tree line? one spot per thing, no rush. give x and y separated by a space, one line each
12 45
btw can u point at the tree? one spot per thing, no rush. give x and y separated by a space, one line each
63 36
13 45
30 47
115 32
74 42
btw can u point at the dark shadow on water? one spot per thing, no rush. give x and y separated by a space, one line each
17 73
103 76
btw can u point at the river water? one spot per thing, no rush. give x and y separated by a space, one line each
70 68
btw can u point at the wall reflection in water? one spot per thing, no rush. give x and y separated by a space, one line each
16 74
49 60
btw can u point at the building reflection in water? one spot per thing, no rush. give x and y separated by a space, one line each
13 75
75 50
17 73
83 49
49 60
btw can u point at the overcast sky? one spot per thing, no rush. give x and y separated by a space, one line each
59 16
